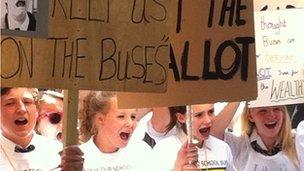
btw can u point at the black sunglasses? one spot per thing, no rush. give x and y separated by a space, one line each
54 117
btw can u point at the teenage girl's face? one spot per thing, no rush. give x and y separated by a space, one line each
118 125
202 120
268 120
18 114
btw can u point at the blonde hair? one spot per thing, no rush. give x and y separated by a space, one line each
285 135
95 102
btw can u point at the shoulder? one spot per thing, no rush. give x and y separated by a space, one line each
45 141
169 140
213 141
235 139
87 146
171 143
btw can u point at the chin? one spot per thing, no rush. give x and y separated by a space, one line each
122 145
23 133
202 138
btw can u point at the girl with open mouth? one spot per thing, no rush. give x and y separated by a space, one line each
20 147
205 152
266 141
106 131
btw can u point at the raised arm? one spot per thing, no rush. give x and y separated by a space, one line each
222 120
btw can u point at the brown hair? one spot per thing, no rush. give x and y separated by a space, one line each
94 103
173 119
33 91
285 135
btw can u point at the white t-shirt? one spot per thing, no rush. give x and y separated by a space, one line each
246 158
44 157
300 149
300 127
130 158
218 157
145 127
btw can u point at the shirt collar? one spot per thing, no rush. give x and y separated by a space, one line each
255 137
9 145
13 24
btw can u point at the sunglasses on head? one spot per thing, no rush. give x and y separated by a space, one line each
54 117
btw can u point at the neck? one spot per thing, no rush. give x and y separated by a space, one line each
160 119
104 145
269 142
21 141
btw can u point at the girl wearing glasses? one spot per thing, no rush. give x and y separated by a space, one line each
49 122
107 131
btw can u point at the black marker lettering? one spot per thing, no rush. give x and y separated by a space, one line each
107 58
78 56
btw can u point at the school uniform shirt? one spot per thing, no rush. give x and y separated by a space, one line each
130 158
44 156
145 132
246 158
300 149
215 155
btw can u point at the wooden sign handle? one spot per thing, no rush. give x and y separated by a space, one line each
69 128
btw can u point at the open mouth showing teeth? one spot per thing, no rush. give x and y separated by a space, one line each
124 135
204 130
21 121
271 125
20 4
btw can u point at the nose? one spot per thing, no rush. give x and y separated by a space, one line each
207 119
21 108
271 113
129 122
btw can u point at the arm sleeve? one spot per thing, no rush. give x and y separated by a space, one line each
230 159
237 144
300 149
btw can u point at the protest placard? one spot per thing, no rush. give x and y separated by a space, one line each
212 55
99 45
280 59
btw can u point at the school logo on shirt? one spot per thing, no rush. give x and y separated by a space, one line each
211 163
214 165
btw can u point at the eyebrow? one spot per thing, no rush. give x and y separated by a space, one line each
203 112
